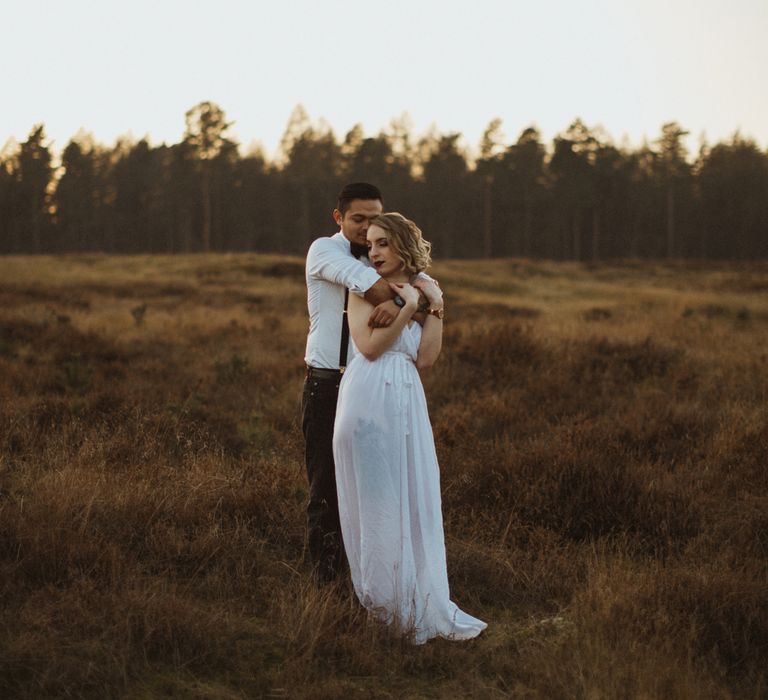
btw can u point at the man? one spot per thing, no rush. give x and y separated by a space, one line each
331 269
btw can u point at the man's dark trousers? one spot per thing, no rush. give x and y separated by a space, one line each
323 528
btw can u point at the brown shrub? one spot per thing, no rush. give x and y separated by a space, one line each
716 614
601 361
92 642
604 499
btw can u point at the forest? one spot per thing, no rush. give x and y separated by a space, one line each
581 197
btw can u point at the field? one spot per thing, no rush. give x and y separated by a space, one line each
603 440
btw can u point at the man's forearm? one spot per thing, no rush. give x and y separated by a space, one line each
379 293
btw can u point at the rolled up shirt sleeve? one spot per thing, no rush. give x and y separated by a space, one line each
326 260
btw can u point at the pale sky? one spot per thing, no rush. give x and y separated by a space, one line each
135 67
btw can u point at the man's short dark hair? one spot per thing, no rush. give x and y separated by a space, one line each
357 190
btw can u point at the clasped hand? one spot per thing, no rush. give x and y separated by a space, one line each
421 289
430 289
408 293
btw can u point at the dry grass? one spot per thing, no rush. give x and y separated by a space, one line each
603 436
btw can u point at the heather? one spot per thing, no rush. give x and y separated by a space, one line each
602 432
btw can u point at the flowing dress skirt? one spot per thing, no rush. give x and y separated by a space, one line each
388 483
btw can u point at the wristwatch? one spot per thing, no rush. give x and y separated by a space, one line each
437 313
399 301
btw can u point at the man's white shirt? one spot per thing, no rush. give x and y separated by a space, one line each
330 269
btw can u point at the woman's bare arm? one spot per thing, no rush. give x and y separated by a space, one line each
431 342
432 331
384 311
372 342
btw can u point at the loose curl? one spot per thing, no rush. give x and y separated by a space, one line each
406 241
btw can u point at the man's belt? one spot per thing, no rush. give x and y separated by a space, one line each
323 373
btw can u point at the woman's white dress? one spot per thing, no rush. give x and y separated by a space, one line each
388 482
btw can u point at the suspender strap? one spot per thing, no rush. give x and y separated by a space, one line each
344 335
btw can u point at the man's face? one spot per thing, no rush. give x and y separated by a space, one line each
356 220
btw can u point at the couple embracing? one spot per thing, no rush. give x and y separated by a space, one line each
375 319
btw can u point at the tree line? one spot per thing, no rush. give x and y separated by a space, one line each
579 198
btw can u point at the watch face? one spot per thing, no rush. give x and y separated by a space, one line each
399 301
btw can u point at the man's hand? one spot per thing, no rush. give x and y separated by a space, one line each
383 314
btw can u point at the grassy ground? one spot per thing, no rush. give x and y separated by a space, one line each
602 433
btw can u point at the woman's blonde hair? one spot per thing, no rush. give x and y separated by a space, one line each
406 241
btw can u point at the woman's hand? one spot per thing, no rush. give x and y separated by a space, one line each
407 292
431 290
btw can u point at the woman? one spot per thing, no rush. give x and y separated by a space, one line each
387 476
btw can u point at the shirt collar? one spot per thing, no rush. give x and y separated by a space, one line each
340 236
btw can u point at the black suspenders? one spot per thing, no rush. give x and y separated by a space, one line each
344 334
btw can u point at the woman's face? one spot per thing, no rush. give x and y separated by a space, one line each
380 253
